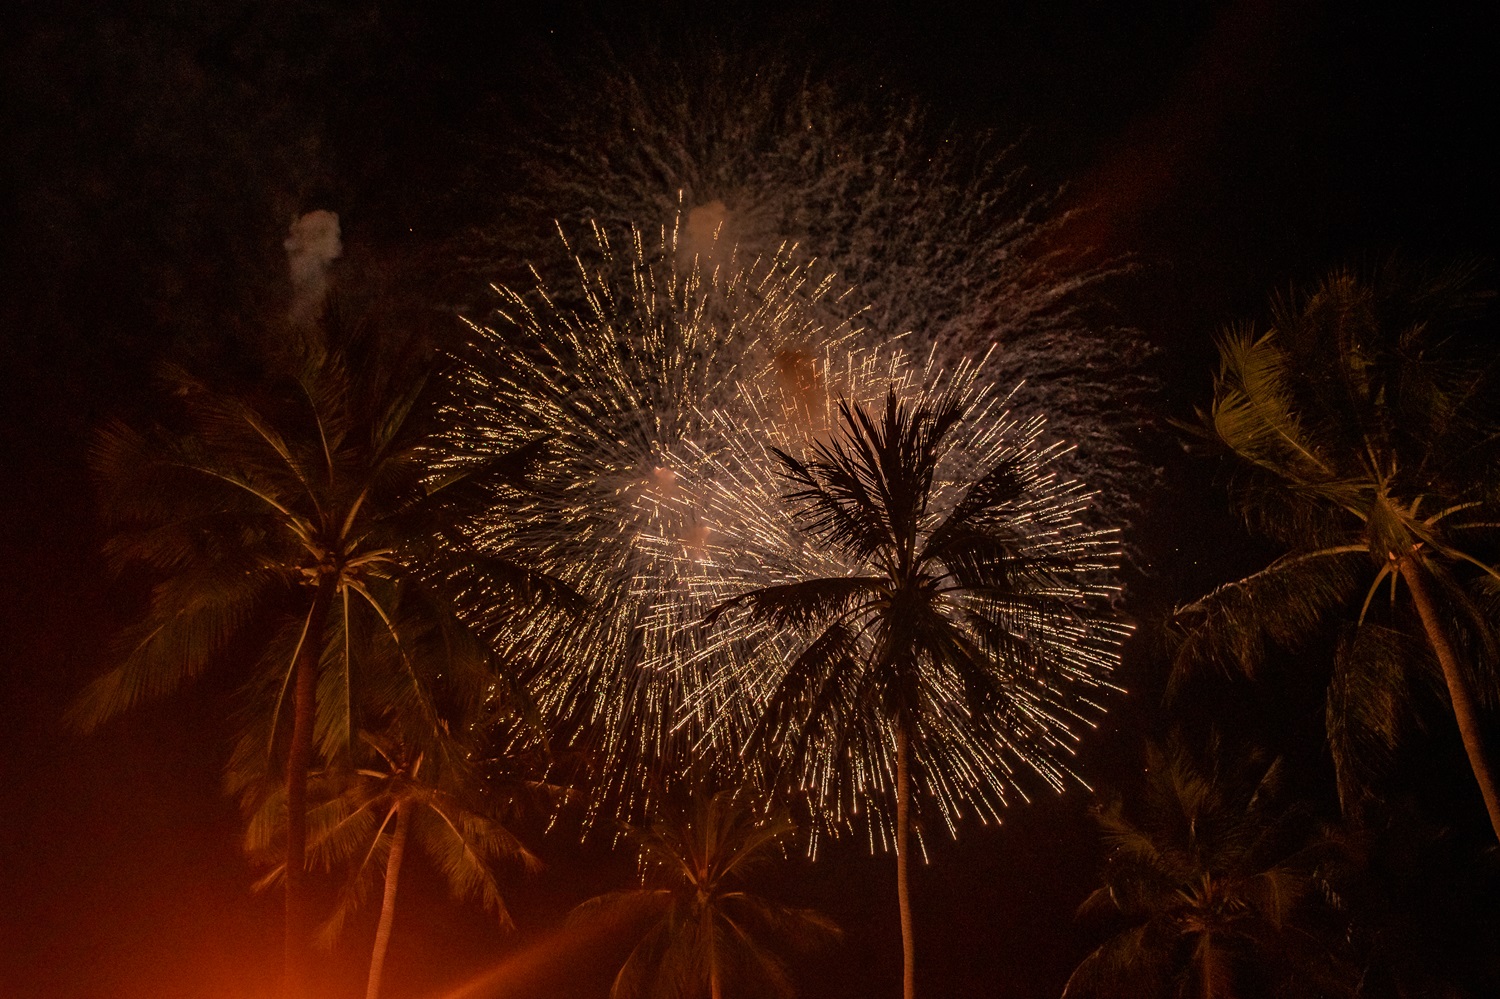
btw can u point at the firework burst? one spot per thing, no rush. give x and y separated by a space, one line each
662 401
634 394
967 762
934 232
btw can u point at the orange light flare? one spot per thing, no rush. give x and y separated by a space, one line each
1234 67
559 953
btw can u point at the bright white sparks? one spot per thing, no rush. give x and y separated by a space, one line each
633 391
657 388
968 764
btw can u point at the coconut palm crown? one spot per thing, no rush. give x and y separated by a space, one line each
395 796
1363 433
1206 876
309 519
969 634
707 935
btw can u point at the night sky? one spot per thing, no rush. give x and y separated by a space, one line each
153 154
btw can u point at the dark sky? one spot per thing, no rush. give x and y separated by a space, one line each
154 151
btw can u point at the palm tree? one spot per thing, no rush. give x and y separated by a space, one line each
400 796
957 645
316 512
707 934
1367 443
1207 882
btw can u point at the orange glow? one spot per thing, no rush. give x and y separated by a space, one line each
545 956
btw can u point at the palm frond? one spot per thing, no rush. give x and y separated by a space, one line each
488 585
799 929
463 846
1003 484
1286 603
810 602
1369 705
1124 838
1124 964
625 906
354 896
640 977
193 617
816 693
1274 893
840 507
1254 414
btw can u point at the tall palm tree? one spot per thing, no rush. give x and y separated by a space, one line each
1367 443
299 518
708 936
398 796
956 648
1207 876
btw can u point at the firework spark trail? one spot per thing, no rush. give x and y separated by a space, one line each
935 232
753 539
659 398
632 393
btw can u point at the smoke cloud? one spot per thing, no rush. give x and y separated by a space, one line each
311 244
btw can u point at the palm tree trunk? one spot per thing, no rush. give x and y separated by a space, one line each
388 906
1208 970
299 761
1465 712
715 990
903 890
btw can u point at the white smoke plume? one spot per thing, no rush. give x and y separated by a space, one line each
311 244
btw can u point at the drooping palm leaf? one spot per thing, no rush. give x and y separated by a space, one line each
1286 603
809 603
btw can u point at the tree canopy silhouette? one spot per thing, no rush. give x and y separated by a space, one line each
962 645
1362 426
1208 872
706 934
309 518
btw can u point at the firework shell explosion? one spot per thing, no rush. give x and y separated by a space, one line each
659 497
933 232
633 395
961 764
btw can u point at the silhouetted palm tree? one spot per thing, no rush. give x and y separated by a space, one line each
1368 444
708 936
311 518
1207 880
397 796
956 650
